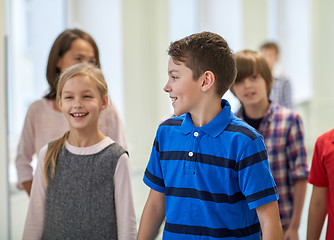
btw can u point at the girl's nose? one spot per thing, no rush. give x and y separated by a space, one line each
78 104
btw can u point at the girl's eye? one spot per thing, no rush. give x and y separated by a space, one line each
78 59
174 77
254 77
92 61
87 96
68 97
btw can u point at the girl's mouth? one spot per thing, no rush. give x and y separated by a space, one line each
79 114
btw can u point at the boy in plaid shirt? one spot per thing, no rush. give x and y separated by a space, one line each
282 132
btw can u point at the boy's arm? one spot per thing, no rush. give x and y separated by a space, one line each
270 221
317 212
298 203
152 217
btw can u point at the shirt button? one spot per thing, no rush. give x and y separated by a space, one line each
190 154
196 134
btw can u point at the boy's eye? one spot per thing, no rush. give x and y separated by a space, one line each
87 96
78 59
174 77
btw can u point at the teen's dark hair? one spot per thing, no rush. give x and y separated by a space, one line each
61 45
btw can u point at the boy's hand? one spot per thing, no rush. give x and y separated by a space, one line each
291 234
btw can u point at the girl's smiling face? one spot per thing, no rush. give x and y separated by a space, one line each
81 102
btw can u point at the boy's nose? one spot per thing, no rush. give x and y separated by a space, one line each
167 88
247 83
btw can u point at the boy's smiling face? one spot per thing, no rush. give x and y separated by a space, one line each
183 89
252 91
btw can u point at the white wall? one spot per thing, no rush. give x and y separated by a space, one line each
295 39
4 196
103 21
145 43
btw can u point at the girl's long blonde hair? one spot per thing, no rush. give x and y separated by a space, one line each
83 69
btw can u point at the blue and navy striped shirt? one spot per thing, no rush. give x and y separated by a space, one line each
213 177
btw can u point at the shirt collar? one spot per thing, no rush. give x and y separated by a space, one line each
270 112
267 118
215 126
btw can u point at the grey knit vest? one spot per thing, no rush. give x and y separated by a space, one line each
80 199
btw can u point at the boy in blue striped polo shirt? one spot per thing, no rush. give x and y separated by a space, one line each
208 171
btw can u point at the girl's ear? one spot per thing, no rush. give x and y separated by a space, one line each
59 104
105 100
208 81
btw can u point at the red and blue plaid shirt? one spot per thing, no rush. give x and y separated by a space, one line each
283 135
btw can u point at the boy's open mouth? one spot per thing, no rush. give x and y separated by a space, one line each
173 99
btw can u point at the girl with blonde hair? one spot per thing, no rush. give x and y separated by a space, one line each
82 187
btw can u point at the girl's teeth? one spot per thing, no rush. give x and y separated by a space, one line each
78 114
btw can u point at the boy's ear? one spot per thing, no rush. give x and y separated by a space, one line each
208 81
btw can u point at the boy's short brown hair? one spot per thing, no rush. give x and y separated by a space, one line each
270 45
206 51
250 63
